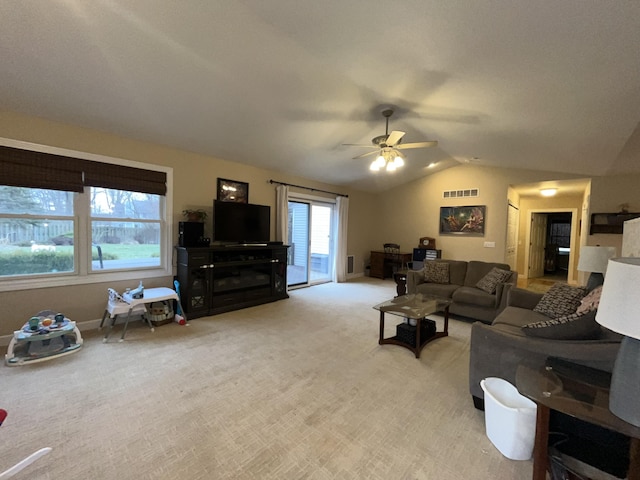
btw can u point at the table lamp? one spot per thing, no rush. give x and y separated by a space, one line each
619 310
594 259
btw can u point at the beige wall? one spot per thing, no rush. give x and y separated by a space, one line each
412 211
195 178
401 215
607 195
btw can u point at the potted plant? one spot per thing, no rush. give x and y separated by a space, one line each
195 215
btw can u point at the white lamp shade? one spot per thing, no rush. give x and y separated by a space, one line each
594 259
619 308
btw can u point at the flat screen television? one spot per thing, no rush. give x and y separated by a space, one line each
241 222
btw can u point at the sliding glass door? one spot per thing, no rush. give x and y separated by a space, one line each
310 252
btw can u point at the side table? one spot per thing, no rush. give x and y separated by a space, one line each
571 389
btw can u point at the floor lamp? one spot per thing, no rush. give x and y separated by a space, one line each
594 259
619 310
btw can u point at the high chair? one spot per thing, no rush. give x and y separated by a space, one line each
117 306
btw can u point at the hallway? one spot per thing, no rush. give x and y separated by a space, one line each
542 284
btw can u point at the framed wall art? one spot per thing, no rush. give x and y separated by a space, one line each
463 220
232 191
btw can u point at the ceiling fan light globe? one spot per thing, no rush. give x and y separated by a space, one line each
398 161
380 161
391 167
374 167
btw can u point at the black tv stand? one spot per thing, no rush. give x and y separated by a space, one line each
223 278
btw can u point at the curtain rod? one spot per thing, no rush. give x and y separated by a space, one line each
308 188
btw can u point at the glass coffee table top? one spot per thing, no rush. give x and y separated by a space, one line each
414 305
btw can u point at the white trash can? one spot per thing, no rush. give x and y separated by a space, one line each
510 419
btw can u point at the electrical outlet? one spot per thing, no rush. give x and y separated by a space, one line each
490 244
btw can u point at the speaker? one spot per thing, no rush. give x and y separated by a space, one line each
190 234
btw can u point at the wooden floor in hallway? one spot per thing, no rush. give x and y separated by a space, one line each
544 283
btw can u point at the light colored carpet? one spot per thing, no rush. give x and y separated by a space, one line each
297 389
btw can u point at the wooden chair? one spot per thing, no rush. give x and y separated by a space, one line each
392 258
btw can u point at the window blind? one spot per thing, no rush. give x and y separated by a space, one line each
27 168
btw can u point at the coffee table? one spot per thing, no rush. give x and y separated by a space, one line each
414 307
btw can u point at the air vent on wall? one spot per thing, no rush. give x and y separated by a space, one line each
350 260
469 192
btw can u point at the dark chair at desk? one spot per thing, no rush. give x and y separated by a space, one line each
392 260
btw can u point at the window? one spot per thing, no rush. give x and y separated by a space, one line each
36 231
125 229
68 218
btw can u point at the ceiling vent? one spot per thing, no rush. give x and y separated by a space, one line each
471 192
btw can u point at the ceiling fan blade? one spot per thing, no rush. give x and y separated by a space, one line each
366 154
394 137
359 145
416 145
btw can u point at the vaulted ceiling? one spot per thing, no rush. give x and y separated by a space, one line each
282 84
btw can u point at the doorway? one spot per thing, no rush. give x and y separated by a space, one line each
310 257
552 239
558 246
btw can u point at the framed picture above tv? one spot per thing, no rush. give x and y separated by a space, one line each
233 191
463 220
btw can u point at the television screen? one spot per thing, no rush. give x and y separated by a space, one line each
241 222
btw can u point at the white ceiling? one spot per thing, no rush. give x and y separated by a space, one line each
282 84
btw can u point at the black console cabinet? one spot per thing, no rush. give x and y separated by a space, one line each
220 279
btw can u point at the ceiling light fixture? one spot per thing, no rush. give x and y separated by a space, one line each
389 159
548 192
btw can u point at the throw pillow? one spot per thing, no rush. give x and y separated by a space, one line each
490 281
591 301
436 272
569 327
560 300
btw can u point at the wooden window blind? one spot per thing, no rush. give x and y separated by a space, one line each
26 168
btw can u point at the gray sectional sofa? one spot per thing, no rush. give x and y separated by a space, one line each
496 350
468 299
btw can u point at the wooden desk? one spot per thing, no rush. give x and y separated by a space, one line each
570 391
383 263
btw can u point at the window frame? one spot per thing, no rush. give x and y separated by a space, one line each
82 214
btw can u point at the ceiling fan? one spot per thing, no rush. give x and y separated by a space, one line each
388 147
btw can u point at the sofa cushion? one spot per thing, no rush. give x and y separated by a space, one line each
591 301
518 317
490 281
436 272
457 271
444 290
570 327
474 296
477 269
560 300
